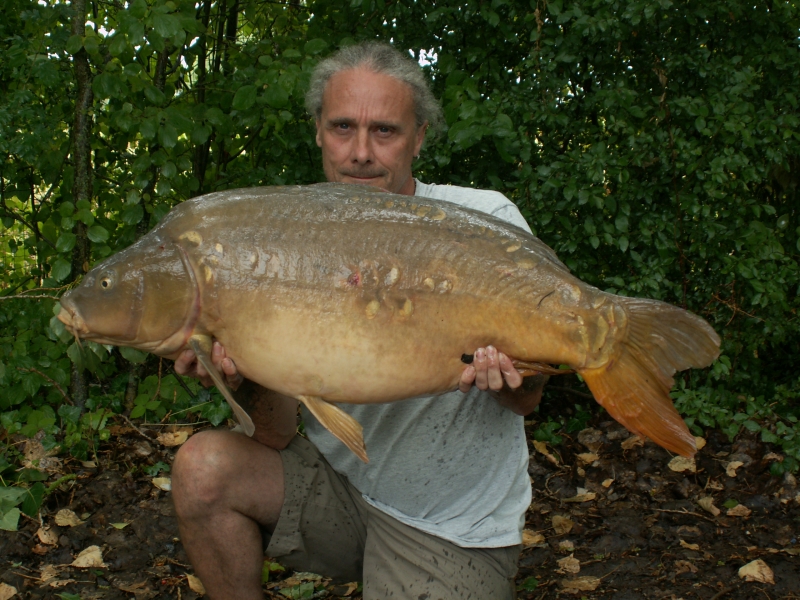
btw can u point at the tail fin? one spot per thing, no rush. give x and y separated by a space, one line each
634 386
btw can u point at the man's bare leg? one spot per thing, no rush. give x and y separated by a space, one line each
224 485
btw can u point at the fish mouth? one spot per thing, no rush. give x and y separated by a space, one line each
73 322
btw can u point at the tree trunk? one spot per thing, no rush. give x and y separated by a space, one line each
82 163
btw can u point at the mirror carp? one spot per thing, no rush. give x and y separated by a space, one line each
340 293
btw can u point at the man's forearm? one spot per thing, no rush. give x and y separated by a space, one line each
525 398
273 414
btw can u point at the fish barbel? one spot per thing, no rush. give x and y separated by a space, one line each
340 293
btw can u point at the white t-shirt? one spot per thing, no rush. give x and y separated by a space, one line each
453 465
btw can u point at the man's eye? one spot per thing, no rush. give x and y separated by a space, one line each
343 126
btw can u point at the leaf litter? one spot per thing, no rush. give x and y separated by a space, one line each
637 527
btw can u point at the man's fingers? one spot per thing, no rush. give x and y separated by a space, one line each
480 364
510 374
467 379
183 364
493 374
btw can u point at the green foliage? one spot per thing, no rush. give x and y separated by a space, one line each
654 145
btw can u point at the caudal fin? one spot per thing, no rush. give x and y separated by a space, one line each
634 386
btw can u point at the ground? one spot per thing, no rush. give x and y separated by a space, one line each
610 518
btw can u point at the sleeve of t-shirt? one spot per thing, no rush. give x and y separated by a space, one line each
488 201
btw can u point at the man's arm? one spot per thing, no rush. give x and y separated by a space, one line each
493 371
273 414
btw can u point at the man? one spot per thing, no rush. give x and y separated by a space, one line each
438 511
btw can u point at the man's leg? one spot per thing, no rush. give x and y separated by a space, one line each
403 562
224 486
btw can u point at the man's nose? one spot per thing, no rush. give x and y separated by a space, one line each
362 151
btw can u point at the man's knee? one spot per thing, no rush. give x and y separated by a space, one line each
209 465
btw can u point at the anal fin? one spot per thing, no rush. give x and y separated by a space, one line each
201 345
344 427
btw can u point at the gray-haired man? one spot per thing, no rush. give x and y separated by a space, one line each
438 511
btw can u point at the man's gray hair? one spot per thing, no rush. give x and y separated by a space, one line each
380 58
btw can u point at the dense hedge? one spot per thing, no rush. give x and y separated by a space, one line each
653 144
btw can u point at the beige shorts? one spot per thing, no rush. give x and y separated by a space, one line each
326 527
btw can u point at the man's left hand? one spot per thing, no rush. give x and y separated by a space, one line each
493 371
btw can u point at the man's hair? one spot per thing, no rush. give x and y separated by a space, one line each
379 58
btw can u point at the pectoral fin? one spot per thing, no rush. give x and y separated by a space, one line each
339 423
527 368
201 344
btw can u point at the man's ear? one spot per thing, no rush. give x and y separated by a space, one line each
319 132
420 138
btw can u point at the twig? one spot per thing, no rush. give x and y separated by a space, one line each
694 514
139 431
55 384
721 593
35 296
567 390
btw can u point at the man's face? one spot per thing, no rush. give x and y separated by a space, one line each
368 132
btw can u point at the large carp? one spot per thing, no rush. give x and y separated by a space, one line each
338 293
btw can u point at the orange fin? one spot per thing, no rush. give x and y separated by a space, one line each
344 427
201 344
634 385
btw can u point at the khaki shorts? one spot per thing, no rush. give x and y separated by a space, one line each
326 527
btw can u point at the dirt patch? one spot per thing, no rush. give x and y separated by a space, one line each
611 518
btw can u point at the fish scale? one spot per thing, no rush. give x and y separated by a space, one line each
338 293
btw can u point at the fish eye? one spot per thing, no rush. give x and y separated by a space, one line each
106 282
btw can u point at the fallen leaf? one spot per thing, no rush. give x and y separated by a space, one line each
299 578
632 442
679 464
684 566
689 546
119 525
173 438
88 464
41 549
565 546
196 585
758 571
792 551
133 588
89 558
47 536
49 572
562 525
740 510
162 483
730 470
67 518
7 591
773 456
142 448
607 483
57 583
699 442
591 438
587 458
580 584
541 447
569 564
531 538
582 496
713 484
345 589
707 504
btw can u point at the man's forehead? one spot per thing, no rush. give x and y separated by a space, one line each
346 89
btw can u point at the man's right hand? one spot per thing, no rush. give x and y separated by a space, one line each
187 364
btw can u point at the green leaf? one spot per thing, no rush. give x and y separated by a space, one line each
92 44
276 96
132 355
200 134
118 45
74 44
97 234
315 46
10 519
60 269
154 95
33 499
168 135
244 98
133 214
66 242
594 241
167 25
730 503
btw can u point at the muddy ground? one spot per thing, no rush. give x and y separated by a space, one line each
610 518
